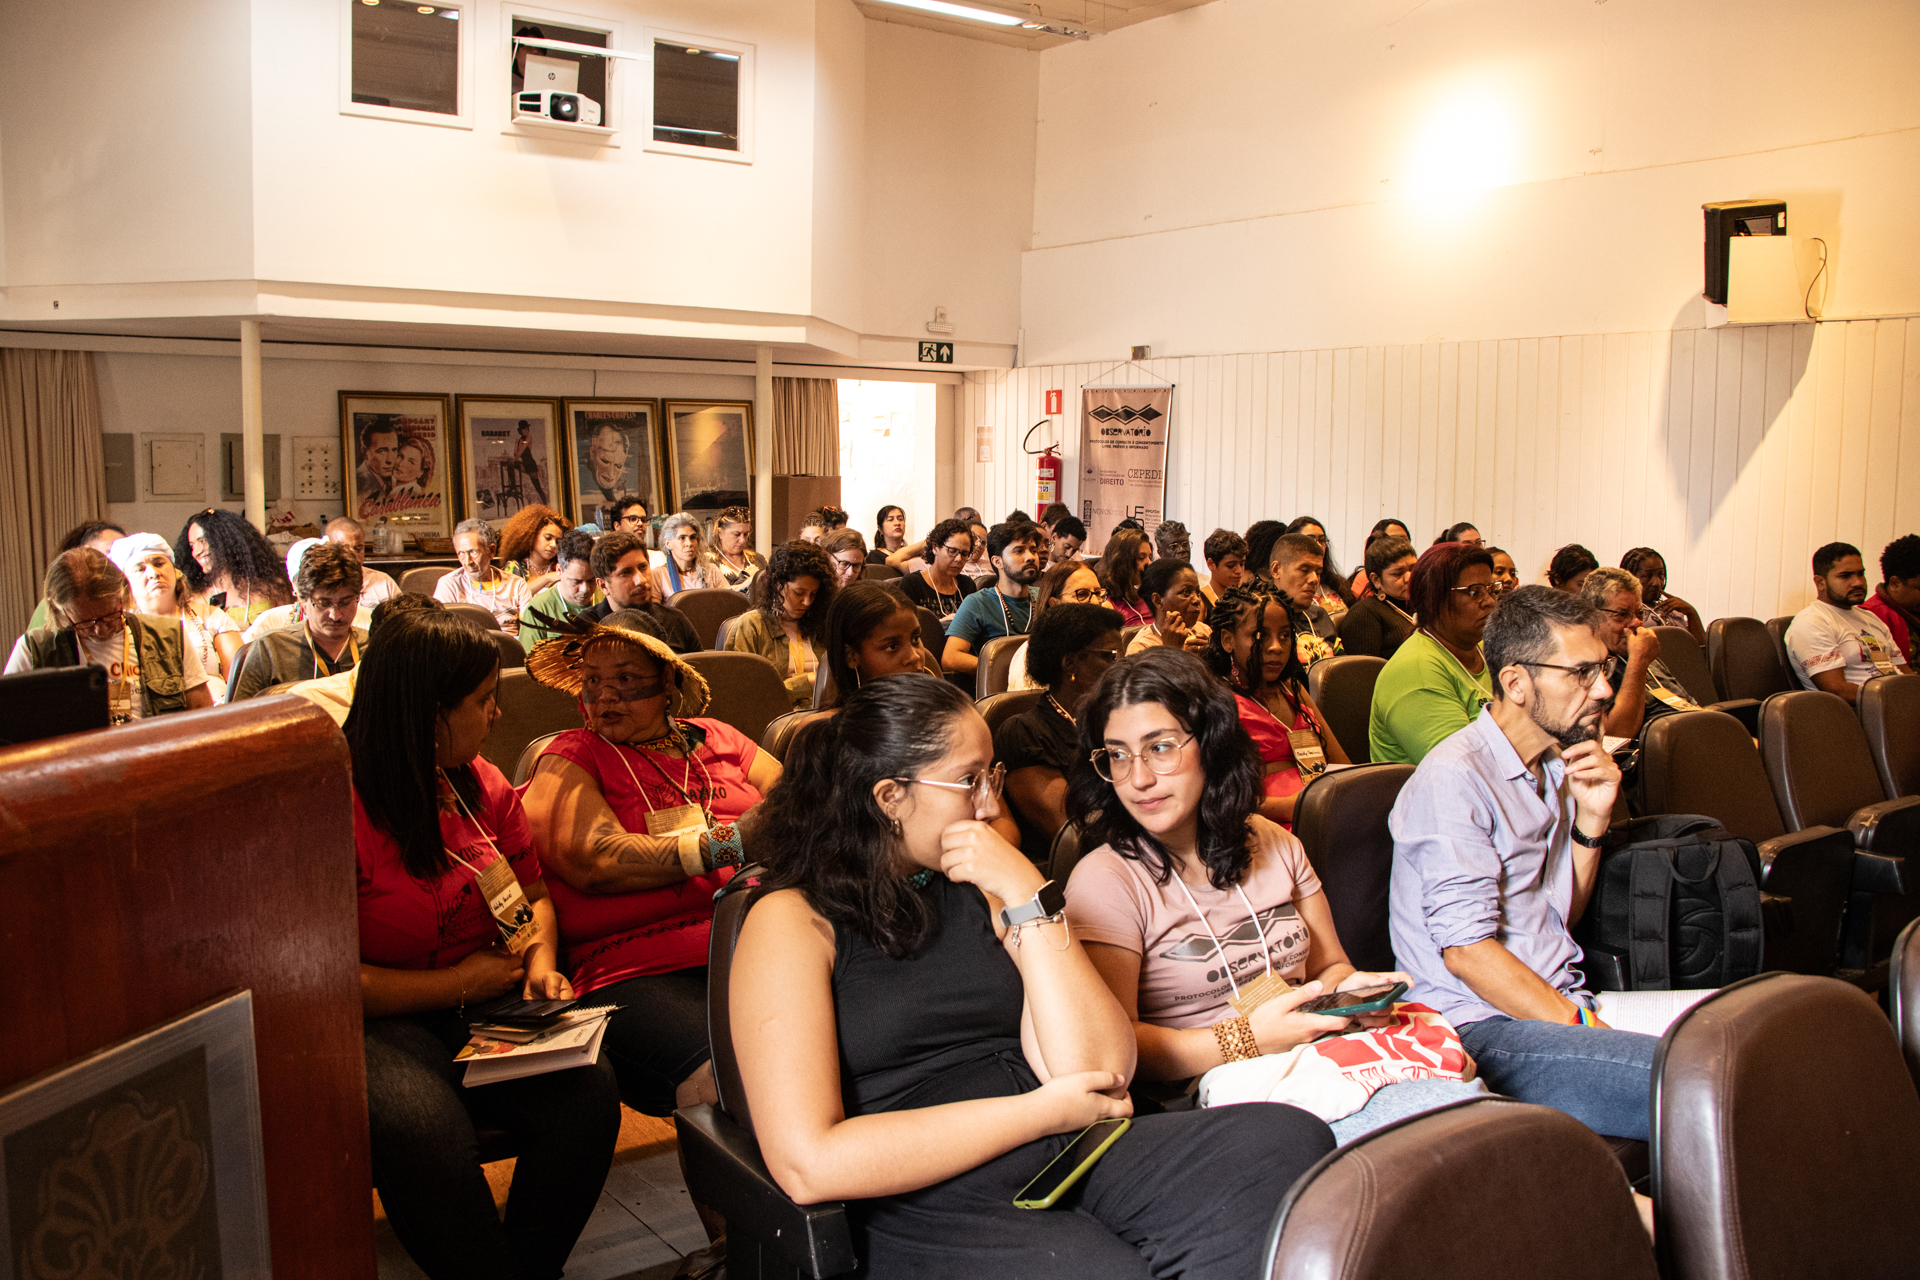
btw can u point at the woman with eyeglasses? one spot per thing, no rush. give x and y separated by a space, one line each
942 585
1069 582
732 561
151 668
1070 648
1206 920
1437 681
848 551
1171 589
787 625
684 567
1253 650
919 1033
871 633
636 816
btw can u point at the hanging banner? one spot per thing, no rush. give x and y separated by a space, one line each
1123 458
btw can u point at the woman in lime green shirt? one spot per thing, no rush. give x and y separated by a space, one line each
1436 683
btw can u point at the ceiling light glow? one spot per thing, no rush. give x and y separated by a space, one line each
960 11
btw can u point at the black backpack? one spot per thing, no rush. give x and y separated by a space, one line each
1676 906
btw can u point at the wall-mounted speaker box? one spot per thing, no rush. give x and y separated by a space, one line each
1730 219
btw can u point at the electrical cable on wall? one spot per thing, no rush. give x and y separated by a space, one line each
1807 302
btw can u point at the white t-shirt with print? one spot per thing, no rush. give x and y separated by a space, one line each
121 657
1824 637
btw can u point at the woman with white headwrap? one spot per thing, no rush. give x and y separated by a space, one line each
159 589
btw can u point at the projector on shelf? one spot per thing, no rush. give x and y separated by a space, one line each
561 108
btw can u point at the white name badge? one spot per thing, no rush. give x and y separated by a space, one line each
1876 653
671 822
508 903
1677 701
1307 751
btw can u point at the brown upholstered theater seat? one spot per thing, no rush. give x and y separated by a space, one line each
707 607
747 692
1342 688
1903 995
996 664
1890 715
1341 818
1744 660
998 708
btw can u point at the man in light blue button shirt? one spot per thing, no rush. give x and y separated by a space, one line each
1495 852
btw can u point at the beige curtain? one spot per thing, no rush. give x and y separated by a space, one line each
806 427
52 473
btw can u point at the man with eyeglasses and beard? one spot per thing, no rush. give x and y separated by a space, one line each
1496 850
1643 687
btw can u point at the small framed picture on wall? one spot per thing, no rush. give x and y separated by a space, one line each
613 447
508 458
710 454
399 457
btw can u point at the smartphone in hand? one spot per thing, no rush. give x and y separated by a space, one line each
1346 1004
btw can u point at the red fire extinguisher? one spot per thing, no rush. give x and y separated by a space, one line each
1049 488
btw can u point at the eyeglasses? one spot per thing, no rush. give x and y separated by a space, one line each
1584 675
1085 595
958 553
983 788
1480 591
1111 655
1115 764
341 604
105 625
850 564
1624 615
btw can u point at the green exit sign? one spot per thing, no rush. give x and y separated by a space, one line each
936 353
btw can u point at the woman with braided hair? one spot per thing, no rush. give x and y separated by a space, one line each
1252 648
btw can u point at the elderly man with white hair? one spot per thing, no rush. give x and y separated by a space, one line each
479 581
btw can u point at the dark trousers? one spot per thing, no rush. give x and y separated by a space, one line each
426 1162
659 1036
1189 1193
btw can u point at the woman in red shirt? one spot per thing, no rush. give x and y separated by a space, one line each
432 824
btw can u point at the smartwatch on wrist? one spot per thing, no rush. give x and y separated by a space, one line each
1050 901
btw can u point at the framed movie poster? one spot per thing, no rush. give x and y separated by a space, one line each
613 447
710 453
507 456
399 460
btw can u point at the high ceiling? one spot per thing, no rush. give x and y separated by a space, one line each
1096 16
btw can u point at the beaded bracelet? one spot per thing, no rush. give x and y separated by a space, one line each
1235 1036
725 848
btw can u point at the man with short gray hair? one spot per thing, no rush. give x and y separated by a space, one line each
1643 687
478 581
1496 848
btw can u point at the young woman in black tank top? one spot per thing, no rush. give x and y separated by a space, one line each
903 1051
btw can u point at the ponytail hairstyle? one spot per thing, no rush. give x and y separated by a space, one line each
1226 756
834 843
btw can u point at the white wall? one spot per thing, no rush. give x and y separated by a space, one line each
1266 175
1735 452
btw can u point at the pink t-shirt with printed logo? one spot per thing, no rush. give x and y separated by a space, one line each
611 937
412 924
1113 899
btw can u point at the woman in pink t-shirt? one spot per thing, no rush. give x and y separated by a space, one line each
635 816
1192 899
432 825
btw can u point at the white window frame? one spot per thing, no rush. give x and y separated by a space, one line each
644 119
406 115
614 108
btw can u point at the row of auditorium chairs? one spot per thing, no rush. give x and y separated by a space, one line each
1785 1143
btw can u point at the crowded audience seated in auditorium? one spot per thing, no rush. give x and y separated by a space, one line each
1496 847
1225 553
231 566
919 1033
1072 646
871 632
478 581
1126 557
1171 589
1897 602
1382 619
1254 649
621 574
1437 681
1188 886
152 667
1643 687
1834 643
323 642
334 694
375 586
454 913
1293 567
730 558
943 584
530 546
889 529
1171 541
848 551
788 621
1002 609
572 590
685 566
160 591
1569 568
1334 595
1660 609
638 819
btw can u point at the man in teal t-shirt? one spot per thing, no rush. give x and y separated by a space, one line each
574 593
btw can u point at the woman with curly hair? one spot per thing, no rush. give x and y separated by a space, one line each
1252 648
1126 557
230 566
788 622
530 546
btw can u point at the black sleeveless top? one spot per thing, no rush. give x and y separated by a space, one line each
943 1026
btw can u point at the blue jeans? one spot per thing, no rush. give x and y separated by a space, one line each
1601 1077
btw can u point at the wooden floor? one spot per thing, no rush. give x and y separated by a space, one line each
642 1227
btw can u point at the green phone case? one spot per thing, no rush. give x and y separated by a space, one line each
1021 1201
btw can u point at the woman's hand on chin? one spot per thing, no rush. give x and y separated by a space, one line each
973 853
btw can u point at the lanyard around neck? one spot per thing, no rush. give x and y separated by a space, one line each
1219 950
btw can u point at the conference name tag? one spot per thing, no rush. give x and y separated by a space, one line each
1307 751
671 822
1672 699
508 903
1252 995
1876 653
